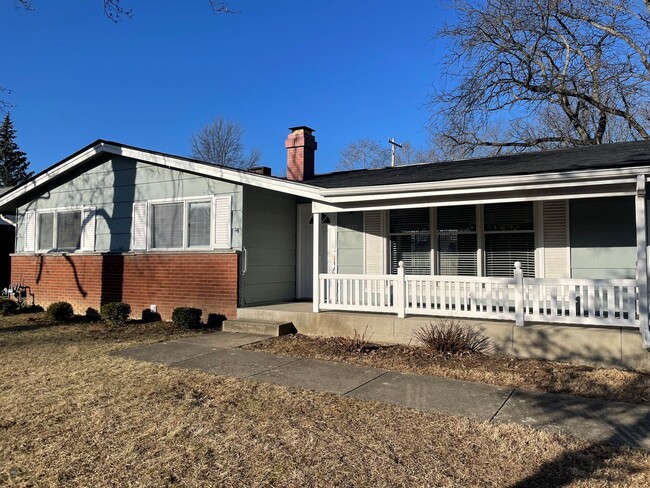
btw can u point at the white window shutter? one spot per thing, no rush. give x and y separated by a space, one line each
139 230
556 242
88 229
30 230
374 244
222 221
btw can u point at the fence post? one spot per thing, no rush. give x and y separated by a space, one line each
401 291
519 294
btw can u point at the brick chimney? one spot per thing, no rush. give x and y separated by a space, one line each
301 149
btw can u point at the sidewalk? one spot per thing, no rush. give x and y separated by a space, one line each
595 420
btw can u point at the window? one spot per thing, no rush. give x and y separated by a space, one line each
46 231
509 237
457 240
68 230
198 226
167 226
180 225
410 240
59 230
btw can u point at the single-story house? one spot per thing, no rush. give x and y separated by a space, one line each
553 237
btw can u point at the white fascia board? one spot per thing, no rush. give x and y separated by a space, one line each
418 203
47 175
260 181
469 189
470 185
244 178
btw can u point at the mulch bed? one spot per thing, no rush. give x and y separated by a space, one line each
531 374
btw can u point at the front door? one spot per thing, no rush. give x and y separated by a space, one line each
305 264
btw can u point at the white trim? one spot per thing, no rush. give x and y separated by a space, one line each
518 182
185 201
55 244
418 203
577 181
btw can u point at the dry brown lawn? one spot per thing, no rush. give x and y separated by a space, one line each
72 415
531 374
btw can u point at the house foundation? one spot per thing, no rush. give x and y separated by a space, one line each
617 347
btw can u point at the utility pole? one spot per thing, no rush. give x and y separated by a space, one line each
392 142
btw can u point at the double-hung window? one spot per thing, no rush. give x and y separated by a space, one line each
410 240
457 240
181 225
509 237
59 230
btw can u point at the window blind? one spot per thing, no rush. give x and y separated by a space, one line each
457 241
457 254
68 230
46 231
198 234
410 240
502 250
167 225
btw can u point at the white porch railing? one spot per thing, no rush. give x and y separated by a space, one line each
592 302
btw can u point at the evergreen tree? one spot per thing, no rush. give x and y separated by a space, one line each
14 166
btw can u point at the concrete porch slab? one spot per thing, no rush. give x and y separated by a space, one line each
311 374
596 420
166 352
440 395
224 340
235 362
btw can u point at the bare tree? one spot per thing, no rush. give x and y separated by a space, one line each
363 154
409 154
220 142
545 73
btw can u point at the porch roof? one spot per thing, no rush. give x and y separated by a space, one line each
608 156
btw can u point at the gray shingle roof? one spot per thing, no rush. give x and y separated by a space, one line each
625 154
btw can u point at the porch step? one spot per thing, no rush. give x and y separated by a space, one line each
262 327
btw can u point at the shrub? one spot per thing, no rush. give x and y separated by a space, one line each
7 306
215 320
116 313
149 316
358 342
60 311
187 317
450 336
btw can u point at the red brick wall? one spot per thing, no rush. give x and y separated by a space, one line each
203 280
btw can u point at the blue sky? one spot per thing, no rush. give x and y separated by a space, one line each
349 69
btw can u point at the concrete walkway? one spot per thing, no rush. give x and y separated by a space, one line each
595 420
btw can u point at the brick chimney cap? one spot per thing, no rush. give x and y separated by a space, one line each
301 127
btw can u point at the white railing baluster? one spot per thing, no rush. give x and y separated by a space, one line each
577 301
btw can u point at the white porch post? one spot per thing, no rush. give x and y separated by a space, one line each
519 294
316 263
642 259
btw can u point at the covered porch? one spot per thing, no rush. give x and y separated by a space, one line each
551 254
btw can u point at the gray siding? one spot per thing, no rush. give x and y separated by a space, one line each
270 242
603 238
114 185
349 240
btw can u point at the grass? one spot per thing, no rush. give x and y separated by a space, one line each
74 416
531 374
